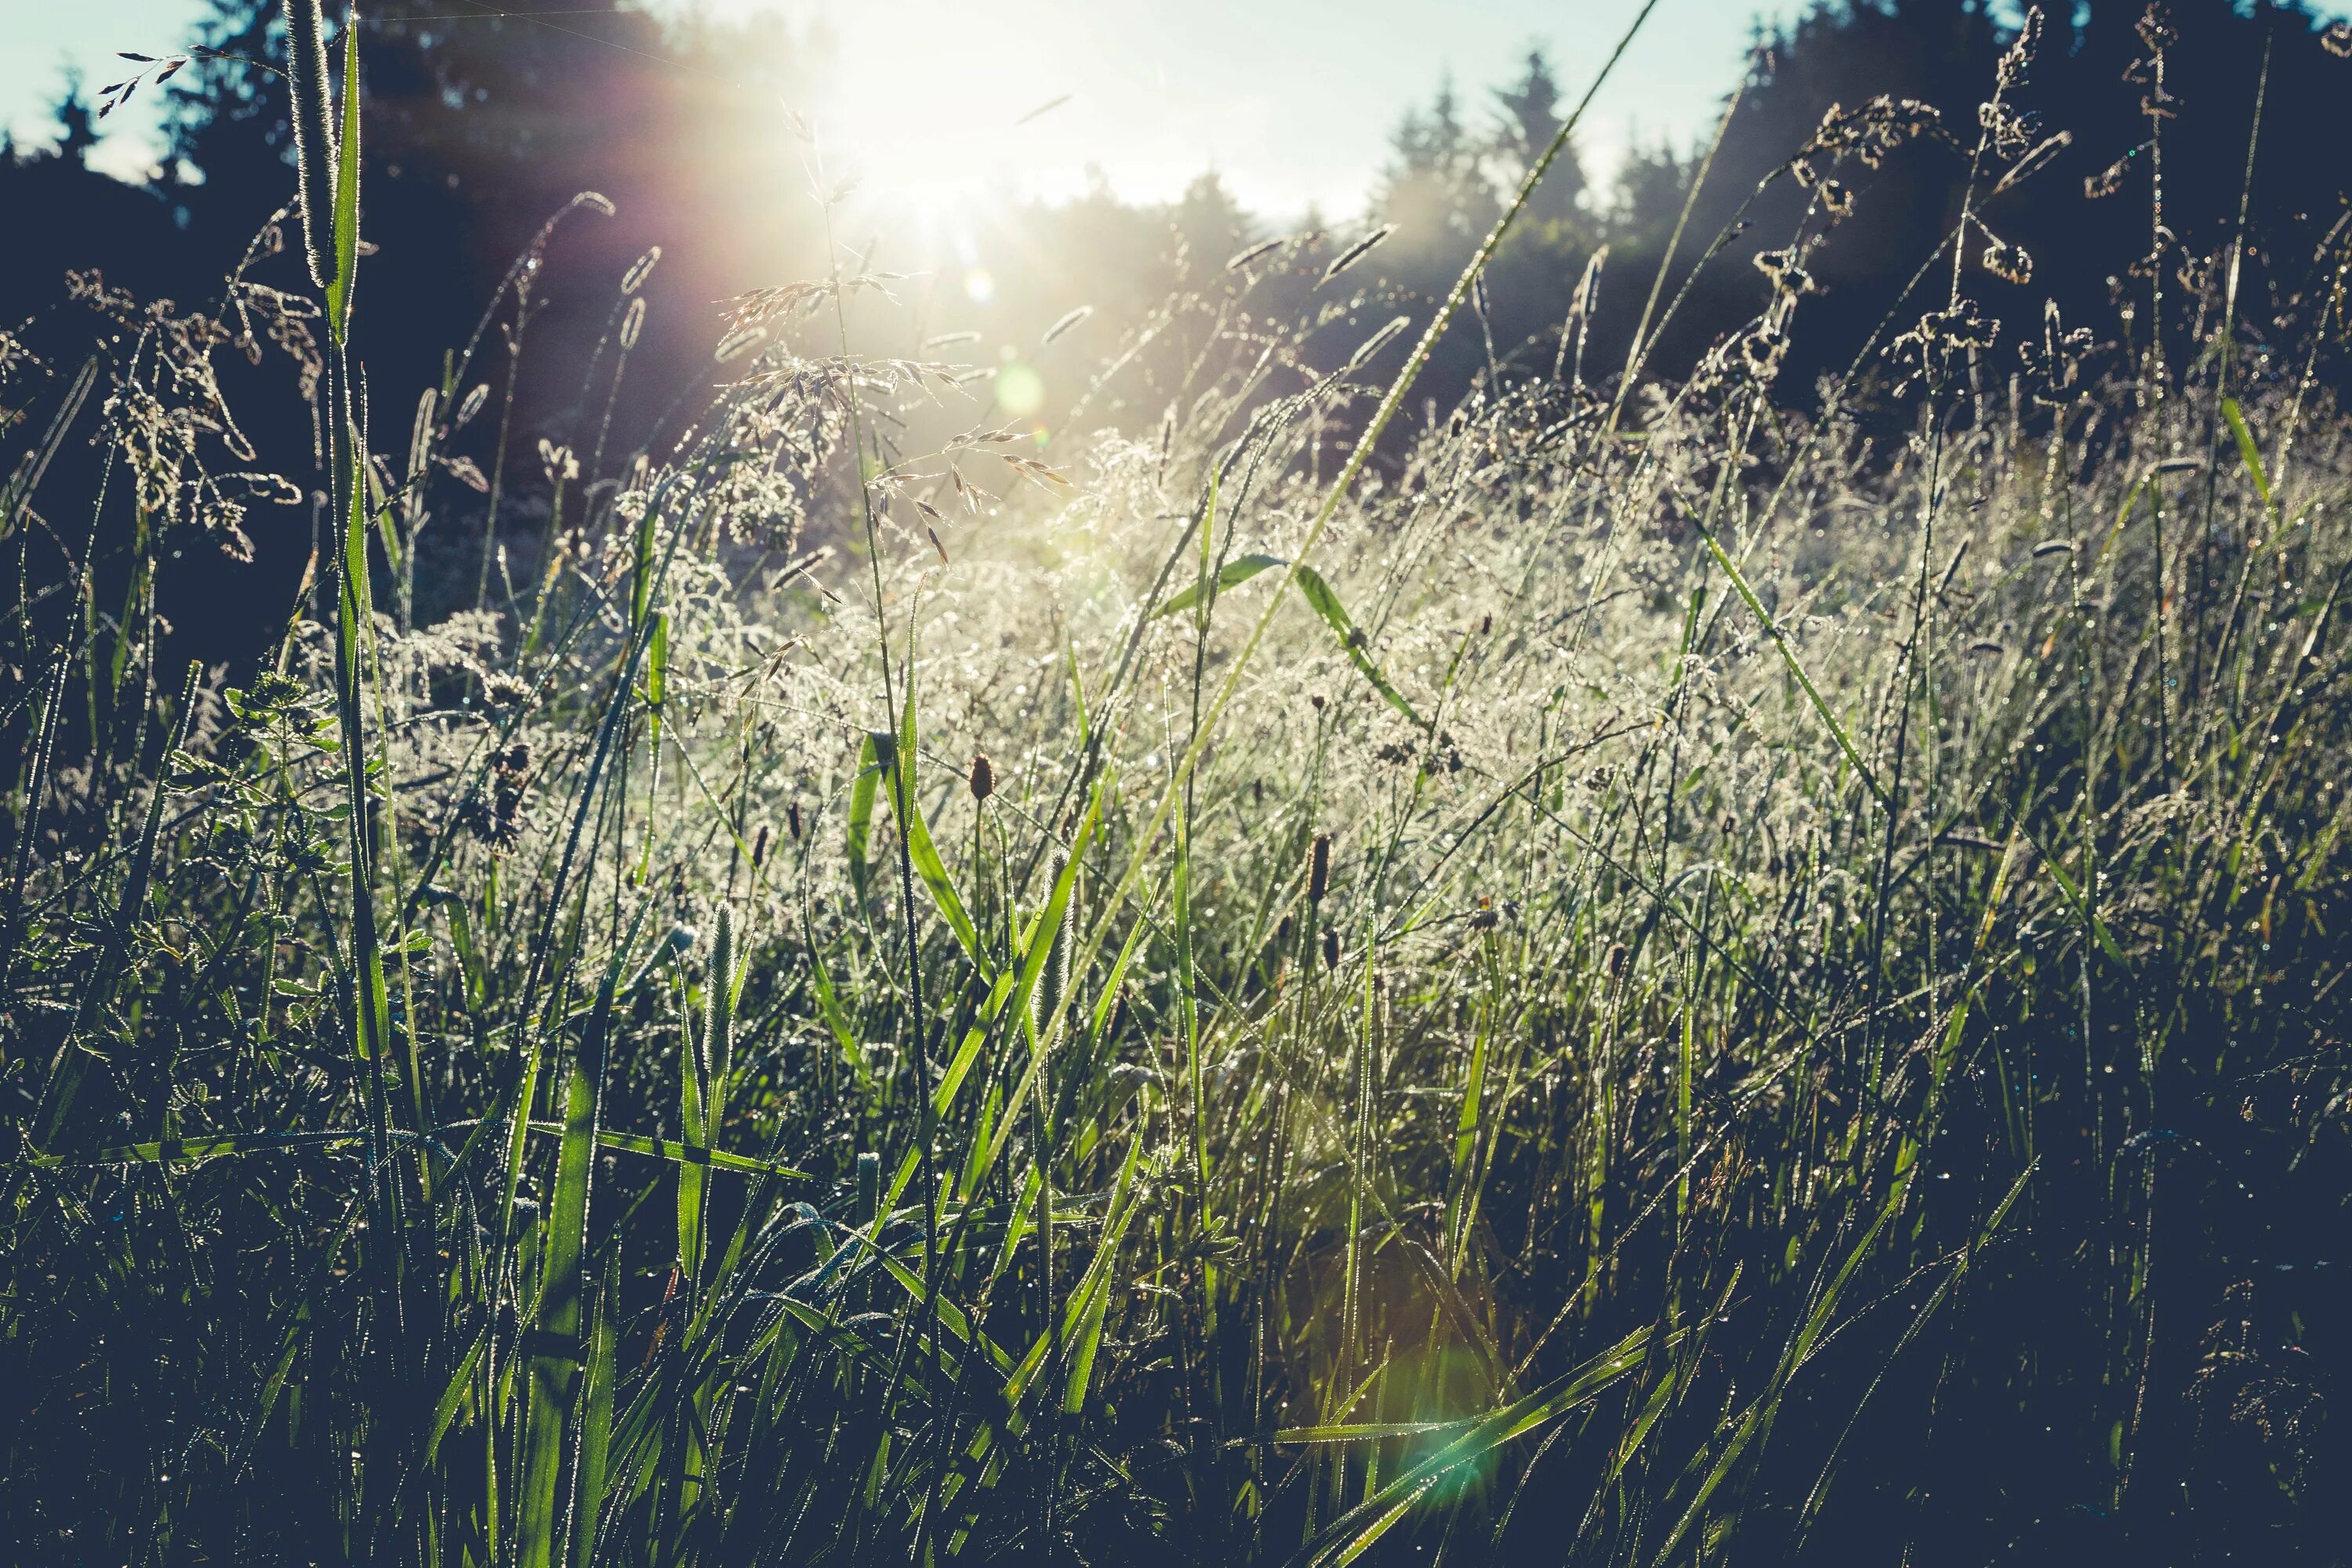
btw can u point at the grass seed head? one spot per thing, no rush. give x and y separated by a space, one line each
2019 60
470 405
640 270
1242 258
1354 253
1070 318
314 134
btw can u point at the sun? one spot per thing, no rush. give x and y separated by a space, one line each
933 109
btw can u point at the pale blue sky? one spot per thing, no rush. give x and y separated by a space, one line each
1289 99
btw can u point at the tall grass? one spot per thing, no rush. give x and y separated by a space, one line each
1700 990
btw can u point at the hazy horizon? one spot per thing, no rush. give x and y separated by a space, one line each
1291 103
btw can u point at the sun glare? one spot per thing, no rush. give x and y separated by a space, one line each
940 114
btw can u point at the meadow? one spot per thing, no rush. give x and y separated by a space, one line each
1639 969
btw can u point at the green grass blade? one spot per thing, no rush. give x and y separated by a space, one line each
2248 452
1321 595
596 1426
1796 668
72 1061
556 1357
195 1150
1084 1333
861 812
1241 569
347 187
1044 937
702 1066
928 867
690 1154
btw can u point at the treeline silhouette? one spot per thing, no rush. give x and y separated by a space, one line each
481 131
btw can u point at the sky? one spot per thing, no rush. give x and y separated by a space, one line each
1289 101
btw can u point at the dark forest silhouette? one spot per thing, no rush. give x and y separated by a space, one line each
482 131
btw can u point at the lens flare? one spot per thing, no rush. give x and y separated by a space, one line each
1020 390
